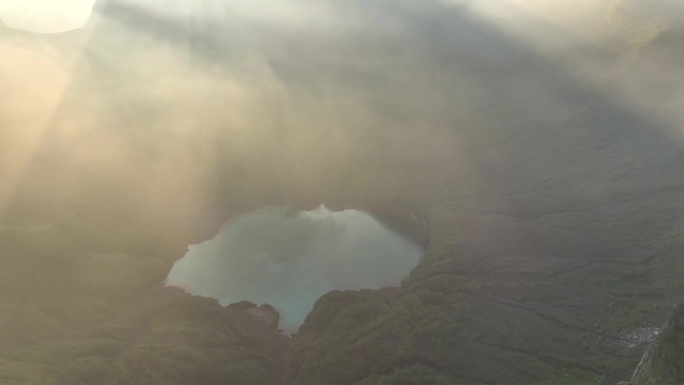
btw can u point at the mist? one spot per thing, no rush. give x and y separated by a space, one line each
534 148
177 107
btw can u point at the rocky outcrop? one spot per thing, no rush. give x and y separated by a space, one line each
663 362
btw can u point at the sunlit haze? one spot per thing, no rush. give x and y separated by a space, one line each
503 184
45 16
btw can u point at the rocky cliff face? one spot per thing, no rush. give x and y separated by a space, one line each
663 362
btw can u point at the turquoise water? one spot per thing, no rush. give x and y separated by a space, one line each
289 258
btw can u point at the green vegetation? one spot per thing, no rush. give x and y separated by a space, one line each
19 373
663 362
189 340
412 375
350 337
510 165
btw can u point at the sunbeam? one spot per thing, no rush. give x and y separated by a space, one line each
517 165
37 75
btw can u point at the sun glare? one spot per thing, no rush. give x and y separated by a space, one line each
45 16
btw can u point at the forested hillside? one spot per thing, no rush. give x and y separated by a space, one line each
534 149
